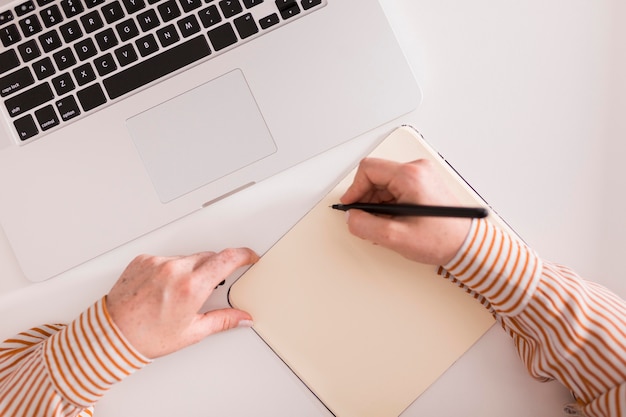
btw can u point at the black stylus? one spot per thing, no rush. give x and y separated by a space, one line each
415 210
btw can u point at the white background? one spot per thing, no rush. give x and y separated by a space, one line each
525 100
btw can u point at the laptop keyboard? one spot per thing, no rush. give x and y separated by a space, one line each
61 60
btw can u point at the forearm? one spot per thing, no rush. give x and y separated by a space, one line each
575 331
564 328
61 371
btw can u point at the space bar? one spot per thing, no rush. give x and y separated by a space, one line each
156 67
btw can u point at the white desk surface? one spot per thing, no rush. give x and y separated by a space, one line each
523 98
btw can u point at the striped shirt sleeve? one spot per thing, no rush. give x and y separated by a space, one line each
58 370
564 328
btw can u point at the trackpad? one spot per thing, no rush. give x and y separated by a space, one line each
201 136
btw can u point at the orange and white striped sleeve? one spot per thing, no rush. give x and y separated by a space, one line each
564 327
58 370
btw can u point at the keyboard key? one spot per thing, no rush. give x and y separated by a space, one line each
112 12
188 26
30 25
29 50
133 6
50 41
93 3
126 55
230 8
156 67
29 99
51 16
307 4
92 21
222 36
210 16
148 20
71 31
84 74
105 64
251 3
6 16
269 21
127 30
287 8
189 5
67 108
290 12
284 4
106 39
72 8
8 60
147 45
47 118
168 36
85 49
91 97
168 10
10 35
42 3
16 81
43 68
26 127
64 59
246 26
24 8
63 84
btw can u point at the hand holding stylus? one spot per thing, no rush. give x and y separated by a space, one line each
425 239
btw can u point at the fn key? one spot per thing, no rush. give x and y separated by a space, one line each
26 127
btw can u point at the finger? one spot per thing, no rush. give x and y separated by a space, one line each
213 269
379 230
373 174
220 320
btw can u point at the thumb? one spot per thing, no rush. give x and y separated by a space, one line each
220 320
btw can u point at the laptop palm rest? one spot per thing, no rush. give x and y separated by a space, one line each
201 136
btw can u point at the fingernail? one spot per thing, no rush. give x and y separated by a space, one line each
347 216
245 323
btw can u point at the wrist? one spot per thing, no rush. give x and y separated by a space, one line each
90 355
498 266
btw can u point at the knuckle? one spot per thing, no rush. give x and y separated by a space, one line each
417 168
365 162
388 233
228 255
167 268
237 256
144 262
141 258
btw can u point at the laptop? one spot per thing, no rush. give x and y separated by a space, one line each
120 116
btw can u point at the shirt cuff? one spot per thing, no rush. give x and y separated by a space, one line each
498 266
90 355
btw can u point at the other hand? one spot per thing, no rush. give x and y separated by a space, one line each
156 301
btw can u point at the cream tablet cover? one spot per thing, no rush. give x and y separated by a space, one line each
364 328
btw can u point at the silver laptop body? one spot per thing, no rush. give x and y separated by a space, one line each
218 96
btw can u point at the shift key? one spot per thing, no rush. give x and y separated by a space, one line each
29 99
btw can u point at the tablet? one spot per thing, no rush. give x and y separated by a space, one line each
364 328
